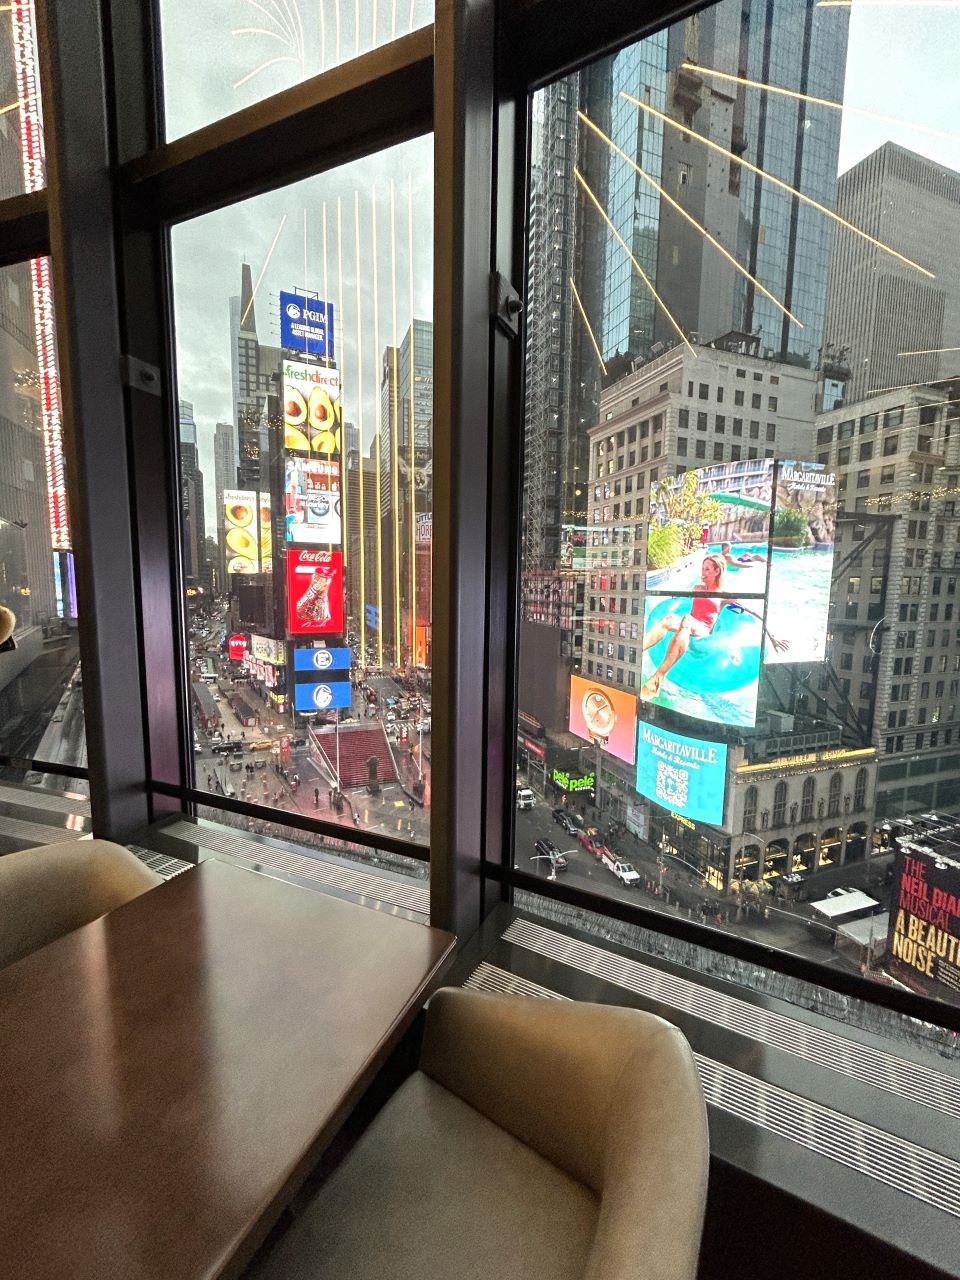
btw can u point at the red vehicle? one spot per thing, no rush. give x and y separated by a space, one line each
592 843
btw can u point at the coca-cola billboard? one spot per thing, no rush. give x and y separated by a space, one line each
237 647
314 592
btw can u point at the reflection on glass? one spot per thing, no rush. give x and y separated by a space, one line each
41 699
244 50
306 435
741 461
21 124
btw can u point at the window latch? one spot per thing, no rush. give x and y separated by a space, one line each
138 375
506 305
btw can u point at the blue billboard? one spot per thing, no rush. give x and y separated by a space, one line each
688 776
306 324
322 696
321 659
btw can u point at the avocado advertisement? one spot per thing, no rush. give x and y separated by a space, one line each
312 408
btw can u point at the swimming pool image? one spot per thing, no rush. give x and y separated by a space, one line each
740 579
798 603
717 678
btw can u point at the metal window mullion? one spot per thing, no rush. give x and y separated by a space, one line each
363 106
24 228
81 203
464 183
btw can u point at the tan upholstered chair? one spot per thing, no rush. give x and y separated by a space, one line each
48 891
539 1140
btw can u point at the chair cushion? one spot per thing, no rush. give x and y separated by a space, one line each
435 1190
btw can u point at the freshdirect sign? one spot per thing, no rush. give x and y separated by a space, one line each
314 592
685 775
321 659
237 648
568 782
322 696
306 324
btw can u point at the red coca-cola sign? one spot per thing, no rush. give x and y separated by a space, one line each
314 592
237 648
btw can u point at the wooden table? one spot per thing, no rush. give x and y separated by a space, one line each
170 1073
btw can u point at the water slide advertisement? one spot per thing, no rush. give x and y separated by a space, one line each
306 324
701 656
312 408
603 715
685 775
712 521
801 560
322 696
314 592
923 943
312 501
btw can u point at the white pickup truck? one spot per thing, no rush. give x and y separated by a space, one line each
625 873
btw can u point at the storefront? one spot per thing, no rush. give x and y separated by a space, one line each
703 852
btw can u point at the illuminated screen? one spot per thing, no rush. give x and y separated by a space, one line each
242 529
314 592
923 944
701 656
322 696
801 561
719 514
312 408
312 501
685 775
601 714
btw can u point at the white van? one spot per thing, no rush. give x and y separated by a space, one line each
525 798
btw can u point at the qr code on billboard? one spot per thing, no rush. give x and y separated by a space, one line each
672 785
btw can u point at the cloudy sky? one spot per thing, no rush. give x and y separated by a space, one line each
244 50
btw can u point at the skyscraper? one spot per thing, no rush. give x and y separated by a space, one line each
191 480
224 477
879 306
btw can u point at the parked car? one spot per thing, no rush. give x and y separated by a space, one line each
593 844
565 822
548 850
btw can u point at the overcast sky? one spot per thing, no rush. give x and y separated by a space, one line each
898 64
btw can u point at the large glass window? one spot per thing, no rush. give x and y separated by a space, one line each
41 697
21 123
702 210
305 373
220 58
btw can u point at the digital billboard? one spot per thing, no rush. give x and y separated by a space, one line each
314 592
701 656
266 534
801 560
321 659
266 649
924 937
306 324
242 530
685 775
720 512
237 647
312 501
601 714
312 408
321 696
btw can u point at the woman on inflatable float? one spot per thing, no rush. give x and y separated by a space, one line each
698 624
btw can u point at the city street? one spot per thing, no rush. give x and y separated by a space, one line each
680 894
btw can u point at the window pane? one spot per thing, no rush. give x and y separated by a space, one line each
716 684
305 368
241 51
21 124
41 699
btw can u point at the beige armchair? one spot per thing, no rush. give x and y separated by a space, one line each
539 1140
50 890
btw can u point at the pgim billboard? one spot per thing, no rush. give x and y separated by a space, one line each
312 408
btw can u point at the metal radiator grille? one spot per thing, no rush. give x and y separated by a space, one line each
910 1080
